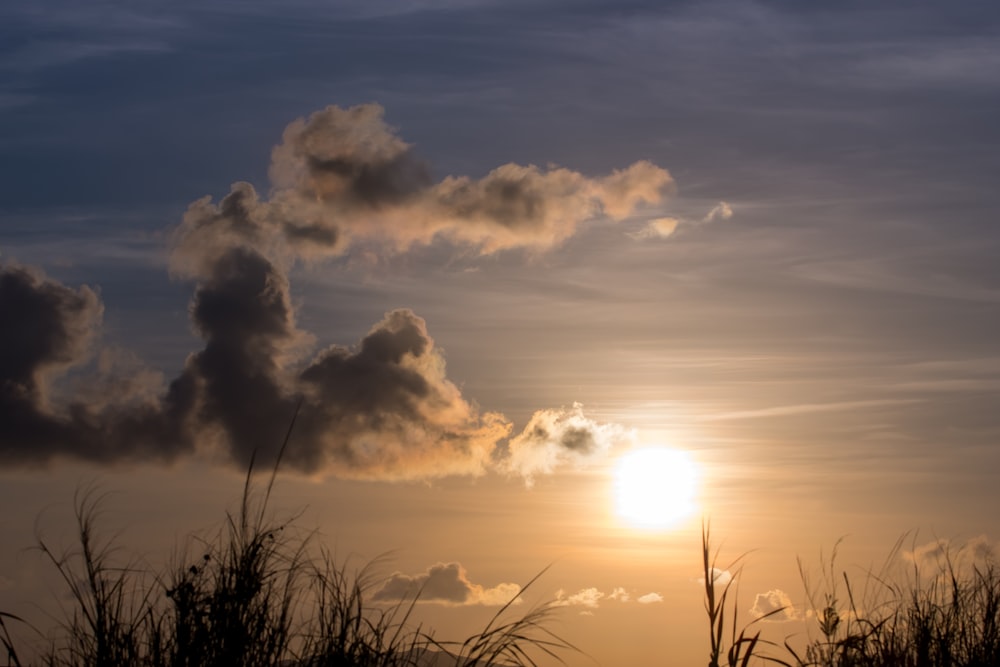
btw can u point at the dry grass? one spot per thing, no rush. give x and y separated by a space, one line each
908 613
261 593
743 644
941 613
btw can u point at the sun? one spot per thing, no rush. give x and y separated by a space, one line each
655 487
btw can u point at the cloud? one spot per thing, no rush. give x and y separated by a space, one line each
721 211
343 178
619 594
381 409
47 328
767 604
719 576
660 228
444 583
588 598
555 438
940 553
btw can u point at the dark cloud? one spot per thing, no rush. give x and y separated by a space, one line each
348 158
46 327
444 583
382 409
343 177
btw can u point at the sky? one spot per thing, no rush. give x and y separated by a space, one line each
487 250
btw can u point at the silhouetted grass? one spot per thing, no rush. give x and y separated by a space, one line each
896 616
742 645
262 593
259 594
944 616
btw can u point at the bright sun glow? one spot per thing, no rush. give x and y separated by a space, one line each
655 487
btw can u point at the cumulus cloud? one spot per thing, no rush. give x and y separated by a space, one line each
343 177
555 438
444 583
47 328
383 408
774 605
588 598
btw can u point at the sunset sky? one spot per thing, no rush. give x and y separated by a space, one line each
492 248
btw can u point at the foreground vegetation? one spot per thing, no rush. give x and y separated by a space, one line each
260 594
941 611
263 594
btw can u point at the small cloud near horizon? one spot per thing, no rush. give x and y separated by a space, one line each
619 594
589 598
766 606
447 584
938 552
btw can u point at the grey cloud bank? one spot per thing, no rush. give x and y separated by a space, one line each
383 409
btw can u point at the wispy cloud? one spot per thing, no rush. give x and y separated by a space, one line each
805 408
941 552
721 211
661 228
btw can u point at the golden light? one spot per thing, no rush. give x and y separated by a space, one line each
655 487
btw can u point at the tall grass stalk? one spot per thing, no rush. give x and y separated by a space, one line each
743 645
